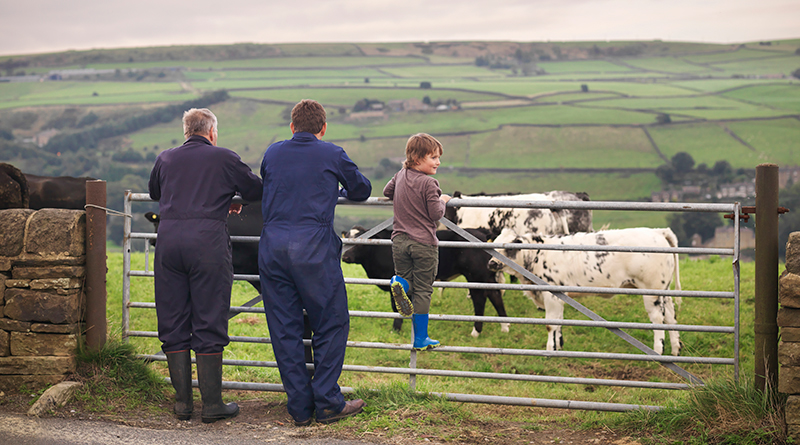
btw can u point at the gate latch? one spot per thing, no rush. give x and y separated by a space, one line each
747 210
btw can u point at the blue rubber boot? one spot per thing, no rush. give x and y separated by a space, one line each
421 340
399 289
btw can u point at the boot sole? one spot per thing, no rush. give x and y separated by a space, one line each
214 419
427 348
401 300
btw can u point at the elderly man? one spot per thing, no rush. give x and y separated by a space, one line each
194 185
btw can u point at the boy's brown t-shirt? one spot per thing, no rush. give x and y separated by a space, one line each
417 207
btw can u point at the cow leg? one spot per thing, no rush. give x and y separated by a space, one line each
496 298
654 305
670 317
479 305
554 310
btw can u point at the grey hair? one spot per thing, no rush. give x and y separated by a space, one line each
198 121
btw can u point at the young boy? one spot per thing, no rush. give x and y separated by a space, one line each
418 205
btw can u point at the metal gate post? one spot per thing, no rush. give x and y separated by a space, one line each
96 324
766 282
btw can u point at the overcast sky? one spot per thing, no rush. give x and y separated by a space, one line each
36 26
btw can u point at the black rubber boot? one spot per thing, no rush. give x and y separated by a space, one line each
180 372
209 377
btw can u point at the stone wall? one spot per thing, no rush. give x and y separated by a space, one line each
42 302
789 323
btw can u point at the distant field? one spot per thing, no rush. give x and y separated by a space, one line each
507 121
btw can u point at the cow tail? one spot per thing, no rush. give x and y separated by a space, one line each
673 242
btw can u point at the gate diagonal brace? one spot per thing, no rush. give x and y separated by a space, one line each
577 306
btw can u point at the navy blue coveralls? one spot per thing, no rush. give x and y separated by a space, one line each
299 261
194 185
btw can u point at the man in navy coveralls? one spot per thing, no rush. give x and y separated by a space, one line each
194 185
299 262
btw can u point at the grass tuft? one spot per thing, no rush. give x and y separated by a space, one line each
115 379
721 412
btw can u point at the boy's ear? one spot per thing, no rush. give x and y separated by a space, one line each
291 126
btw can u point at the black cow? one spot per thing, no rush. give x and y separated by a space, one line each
14 192
57 192
453 262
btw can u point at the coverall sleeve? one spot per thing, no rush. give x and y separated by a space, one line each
245 181
154 186
355 186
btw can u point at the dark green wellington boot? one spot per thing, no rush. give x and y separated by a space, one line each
209 377
180 373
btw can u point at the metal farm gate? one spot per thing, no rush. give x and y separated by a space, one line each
673 363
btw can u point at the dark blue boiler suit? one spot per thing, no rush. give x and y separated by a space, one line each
194 185
299 262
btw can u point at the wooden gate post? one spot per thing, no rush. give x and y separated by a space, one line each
96 324
766 280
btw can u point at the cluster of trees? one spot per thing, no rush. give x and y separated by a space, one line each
366 104
681 169
88 138
685 225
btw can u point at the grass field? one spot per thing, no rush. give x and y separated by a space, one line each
712 274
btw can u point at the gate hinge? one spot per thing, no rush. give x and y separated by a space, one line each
747 210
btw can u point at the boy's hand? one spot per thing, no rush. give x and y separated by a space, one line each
445 198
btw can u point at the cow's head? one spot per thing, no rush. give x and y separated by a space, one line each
155 219
352 255
509 236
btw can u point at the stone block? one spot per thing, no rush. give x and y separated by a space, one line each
793 253
74 328
56 233
12 384
789 353
55 283
5 264
793 410
37 365
8 324
787 317
18 283
29 305
54 397
13 234
35 273
5 342
793 431
3 279
31 343
789 290
790 334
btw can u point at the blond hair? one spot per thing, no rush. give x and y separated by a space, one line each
419 146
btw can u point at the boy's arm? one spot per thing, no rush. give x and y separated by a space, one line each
388 191
436 205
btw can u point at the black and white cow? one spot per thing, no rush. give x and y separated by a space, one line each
599 269
471 263
539 221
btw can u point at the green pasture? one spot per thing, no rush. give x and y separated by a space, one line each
347 96
712 274
283 74
722 85
777 141
304 62
728 56
775 67
583 66
441 71
783 97
706 142
668 65
18 95
603 147
702 107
